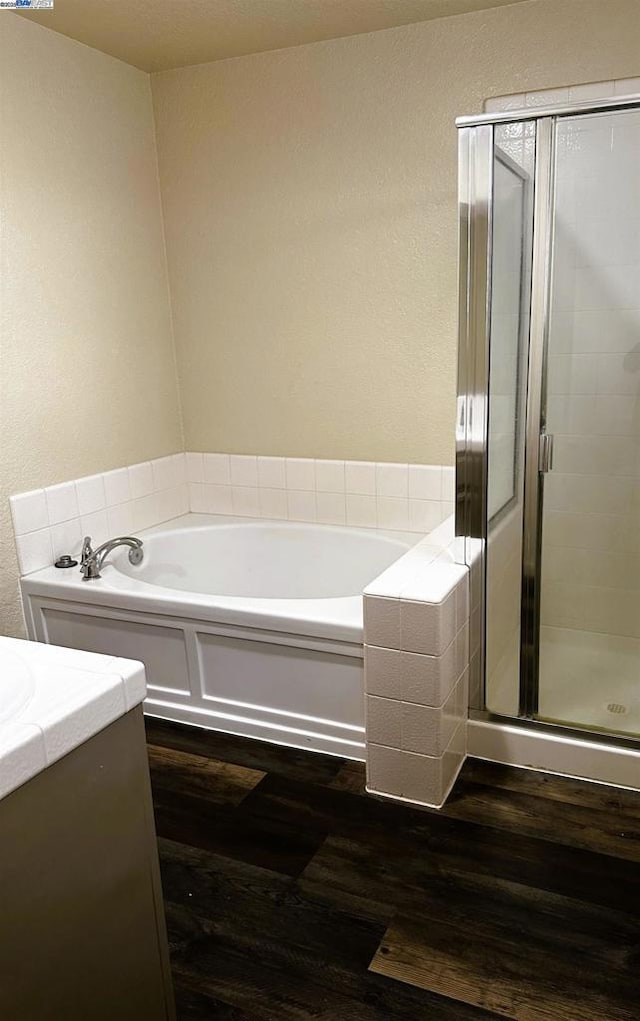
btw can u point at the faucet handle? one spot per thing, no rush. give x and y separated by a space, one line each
87 549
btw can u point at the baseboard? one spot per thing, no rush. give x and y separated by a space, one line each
346 742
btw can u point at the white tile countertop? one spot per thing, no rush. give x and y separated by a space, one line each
52 700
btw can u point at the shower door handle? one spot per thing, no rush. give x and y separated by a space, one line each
545 453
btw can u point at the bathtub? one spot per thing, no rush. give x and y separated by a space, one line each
246 626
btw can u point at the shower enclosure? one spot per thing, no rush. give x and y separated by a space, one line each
548 444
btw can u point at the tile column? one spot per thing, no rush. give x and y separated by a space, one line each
417 676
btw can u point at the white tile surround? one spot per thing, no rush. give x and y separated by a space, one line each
52 521
564 96
417 629
402 497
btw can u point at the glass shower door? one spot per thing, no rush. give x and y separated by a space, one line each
588 658
510 284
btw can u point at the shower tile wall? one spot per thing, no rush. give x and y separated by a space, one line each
591 535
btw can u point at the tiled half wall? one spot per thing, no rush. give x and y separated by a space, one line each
418 640
52 521
364 494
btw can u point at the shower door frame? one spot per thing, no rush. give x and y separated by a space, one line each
475 206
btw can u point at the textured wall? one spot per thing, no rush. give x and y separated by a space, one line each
310 209
87 377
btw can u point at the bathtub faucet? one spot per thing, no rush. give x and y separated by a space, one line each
92 560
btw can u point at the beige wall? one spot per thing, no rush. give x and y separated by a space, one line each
310 208
87 379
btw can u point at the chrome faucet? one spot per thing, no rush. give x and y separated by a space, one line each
92 560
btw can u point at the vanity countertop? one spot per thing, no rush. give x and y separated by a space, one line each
52 700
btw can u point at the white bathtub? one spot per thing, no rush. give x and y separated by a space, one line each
252 627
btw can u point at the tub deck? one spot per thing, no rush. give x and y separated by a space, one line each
292 896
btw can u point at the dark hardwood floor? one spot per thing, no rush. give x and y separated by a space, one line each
292 895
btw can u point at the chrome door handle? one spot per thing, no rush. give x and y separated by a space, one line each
545 452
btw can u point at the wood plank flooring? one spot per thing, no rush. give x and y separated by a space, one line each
292 895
